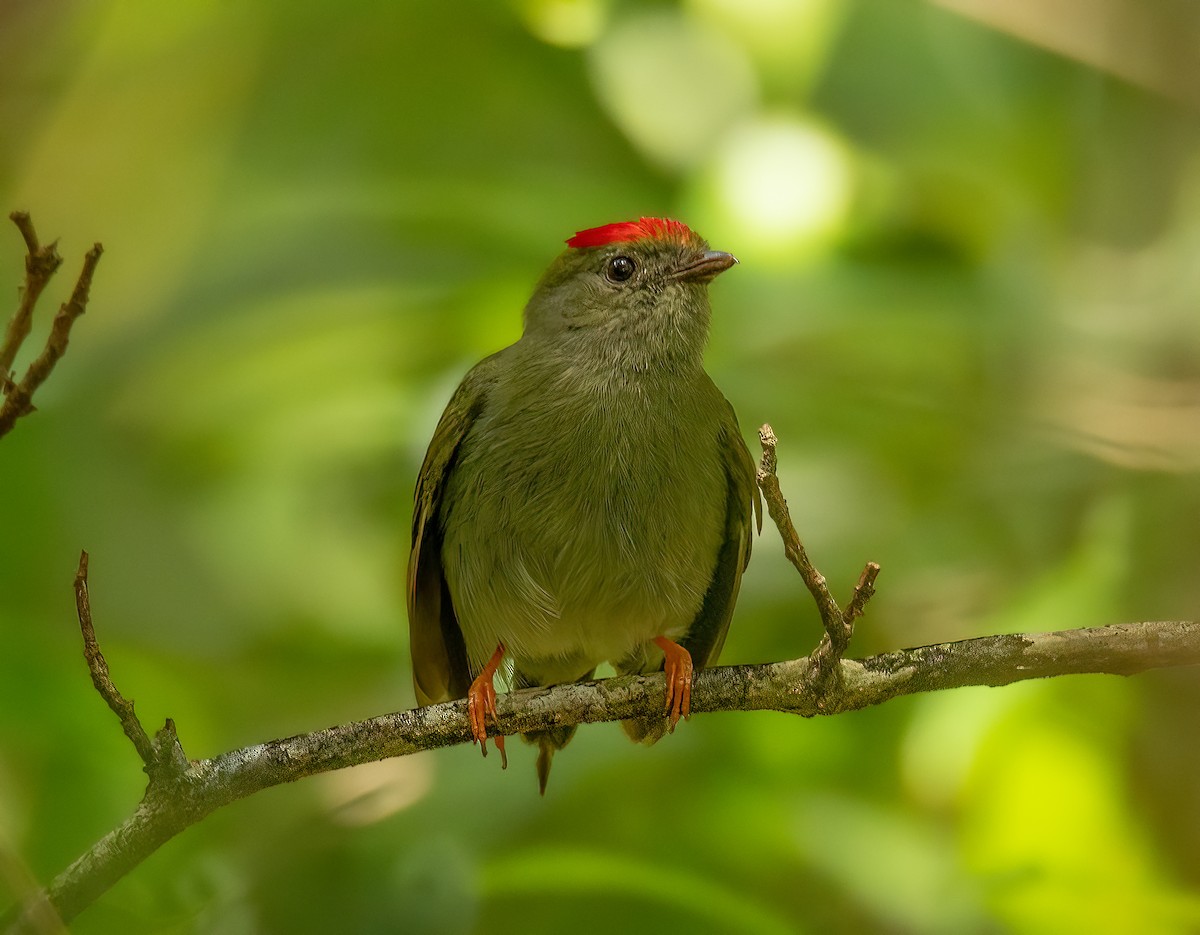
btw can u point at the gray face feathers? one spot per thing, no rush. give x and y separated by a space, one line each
649 292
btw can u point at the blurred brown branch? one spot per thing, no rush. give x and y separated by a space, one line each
1152 45
41 262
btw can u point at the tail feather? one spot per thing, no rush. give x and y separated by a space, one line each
647 730
549 741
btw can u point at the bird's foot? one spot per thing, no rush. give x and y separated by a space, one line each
481 701
677 663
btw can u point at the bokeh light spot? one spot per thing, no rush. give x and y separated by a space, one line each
783 184
671 84
571 24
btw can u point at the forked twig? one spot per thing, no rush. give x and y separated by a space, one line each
41 262
838 624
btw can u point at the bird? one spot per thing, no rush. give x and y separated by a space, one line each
587 496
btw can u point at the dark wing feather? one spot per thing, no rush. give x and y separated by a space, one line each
743 511
439 656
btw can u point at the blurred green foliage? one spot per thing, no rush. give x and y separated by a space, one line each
967 302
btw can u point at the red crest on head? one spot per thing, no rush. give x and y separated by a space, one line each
641 229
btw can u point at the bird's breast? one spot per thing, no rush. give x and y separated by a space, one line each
578 525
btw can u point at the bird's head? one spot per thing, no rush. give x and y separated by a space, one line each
633 292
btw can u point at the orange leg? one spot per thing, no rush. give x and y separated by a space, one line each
481 701
677 663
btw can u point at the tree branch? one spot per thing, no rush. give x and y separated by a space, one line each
173 804
41 262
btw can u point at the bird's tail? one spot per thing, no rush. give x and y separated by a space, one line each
647 730
549 741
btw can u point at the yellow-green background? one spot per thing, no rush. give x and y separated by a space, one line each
969 302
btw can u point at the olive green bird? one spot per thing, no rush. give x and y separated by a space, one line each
587 496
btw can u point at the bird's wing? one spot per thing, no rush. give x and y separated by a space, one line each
743 511
439 656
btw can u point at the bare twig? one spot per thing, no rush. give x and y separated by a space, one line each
25 226
98 666
207 785
40 264
863 592
838 624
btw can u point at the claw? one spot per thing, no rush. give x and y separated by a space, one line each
677 663
481 701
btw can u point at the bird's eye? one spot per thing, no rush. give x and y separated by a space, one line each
619 269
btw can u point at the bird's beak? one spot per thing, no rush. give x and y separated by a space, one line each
705 267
